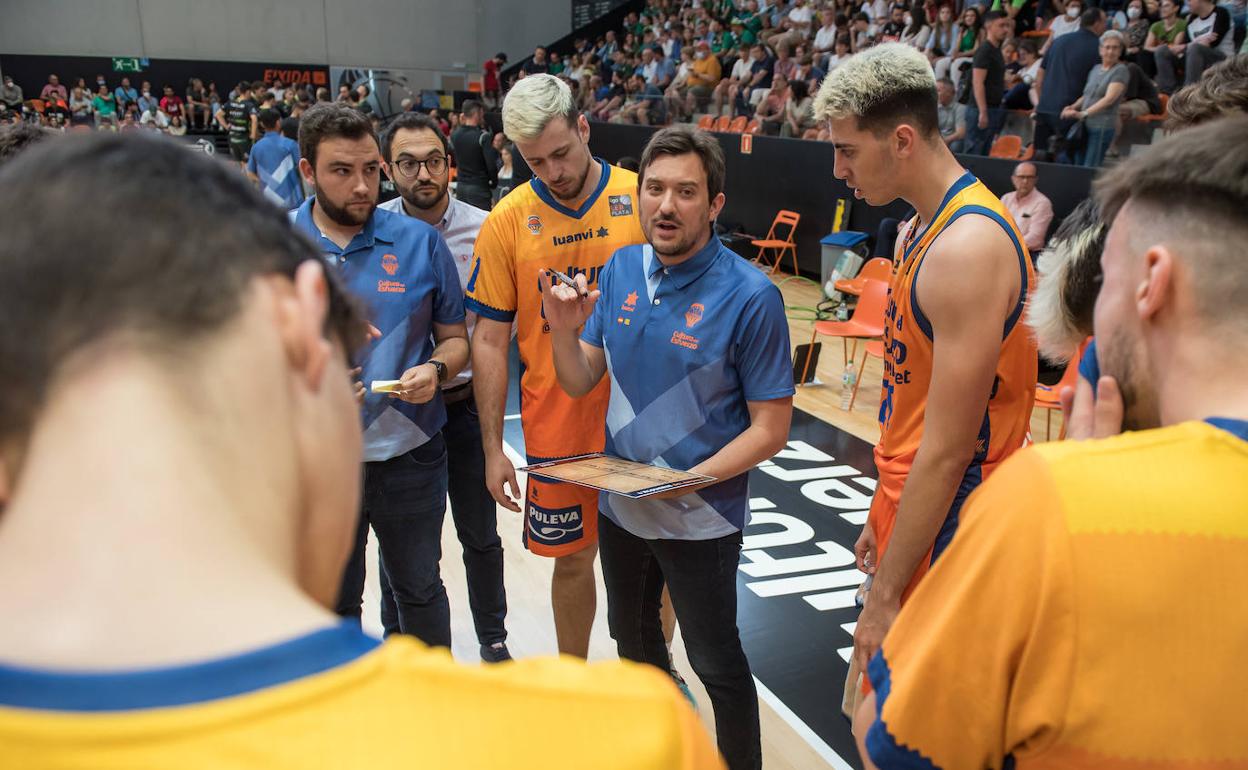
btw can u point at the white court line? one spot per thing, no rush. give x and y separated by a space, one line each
800 727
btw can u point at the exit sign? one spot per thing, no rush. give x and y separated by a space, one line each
128 64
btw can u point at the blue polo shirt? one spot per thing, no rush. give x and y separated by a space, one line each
275 159
686 347
403 272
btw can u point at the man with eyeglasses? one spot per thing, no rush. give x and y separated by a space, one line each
475 162
415 153
1031 209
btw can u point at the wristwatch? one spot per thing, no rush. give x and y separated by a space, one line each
441 367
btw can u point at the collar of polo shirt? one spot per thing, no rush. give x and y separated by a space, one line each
688 271
377 228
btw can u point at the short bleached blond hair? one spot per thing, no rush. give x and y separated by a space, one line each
881 86
532 103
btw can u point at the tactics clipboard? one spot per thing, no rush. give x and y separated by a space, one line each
615 475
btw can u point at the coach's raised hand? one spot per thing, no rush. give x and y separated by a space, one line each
566 308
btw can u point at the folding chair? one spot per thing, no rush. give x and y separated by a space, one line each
775 244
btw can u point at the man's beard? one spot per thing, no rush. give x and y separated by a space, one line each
342 215
422 196
579 190
1123 361
679 247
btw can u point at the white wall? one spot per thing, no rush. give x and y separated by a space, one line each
422 35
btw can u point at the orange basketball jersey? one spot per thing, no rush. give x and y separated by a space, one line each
908 368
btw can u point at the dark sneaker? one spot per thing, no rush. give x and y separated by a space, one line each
495 653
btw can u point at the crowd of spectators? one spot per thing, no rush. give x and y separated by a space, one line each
1073 72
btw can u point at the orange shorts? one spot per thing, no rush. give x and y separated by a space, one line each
559 519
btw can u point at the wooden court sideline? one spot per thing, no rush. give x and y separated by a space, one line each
530 624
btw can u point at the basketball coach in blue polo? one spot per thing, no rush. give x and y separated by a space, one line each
696 345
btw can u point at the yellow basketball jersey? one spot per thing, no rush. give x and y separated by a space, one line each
526 233
337 699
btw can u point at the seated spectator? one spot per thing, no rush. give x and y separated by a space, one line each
1222 91
1098 106
1136 33
784 64
747 95
656 70
840 53
537 64
950 116
80 108
362 101
942 42
105 105
704 78
1212 40
11 95
1031 209
54 86
806 70
1169 33
1066 23
793 28
825 37
199 110
1141 97
726 91
770 112
55 112
862 32
674 96
146 100
798 113
610 100
125 94
265 511
171 104
555 66
345 94
968 35
155 119
1060 675
176 126
1021 85
506 172
890 31
916 32
644 105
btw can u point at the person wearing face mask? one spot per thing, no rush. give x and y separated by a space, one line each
1063 75
147 100
704 75
1136 32
1065 24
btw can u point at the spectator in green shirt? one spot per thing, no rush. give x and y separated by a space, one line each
105 107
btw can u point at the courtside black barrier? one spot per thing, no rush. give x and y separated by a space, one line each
797 175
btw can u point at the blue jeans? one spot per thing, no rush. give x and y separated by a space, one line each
476 523
405 502
701 577
1093 152
979 140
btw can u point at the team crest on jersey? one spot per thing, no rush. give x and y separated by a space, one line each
535 224
694 314
390 264
620 205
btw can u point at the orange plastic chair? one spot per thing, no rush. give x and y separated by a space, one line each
753 127
776 245
738 124
875 349
706 122
1040 33
867 322
1006 146
722 123
1049 398
878 269
475 87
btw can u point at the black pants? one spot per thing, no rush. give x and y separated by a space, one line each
701 577
405 502
474 194
476 524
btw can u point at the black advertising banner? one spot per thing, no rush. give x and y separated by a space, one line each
797 579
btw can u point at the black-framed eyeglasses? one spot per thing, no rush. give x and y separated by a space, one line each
410 167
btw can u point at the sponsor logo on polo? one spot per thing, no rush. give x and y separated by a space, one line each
391 287
620 205
390 264
630 302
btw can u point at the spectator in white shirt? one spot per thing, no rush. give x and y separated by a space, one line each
794 28
1031 209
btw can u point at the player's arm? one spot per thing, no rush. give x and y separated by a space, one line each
490 339
967 286
220 117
